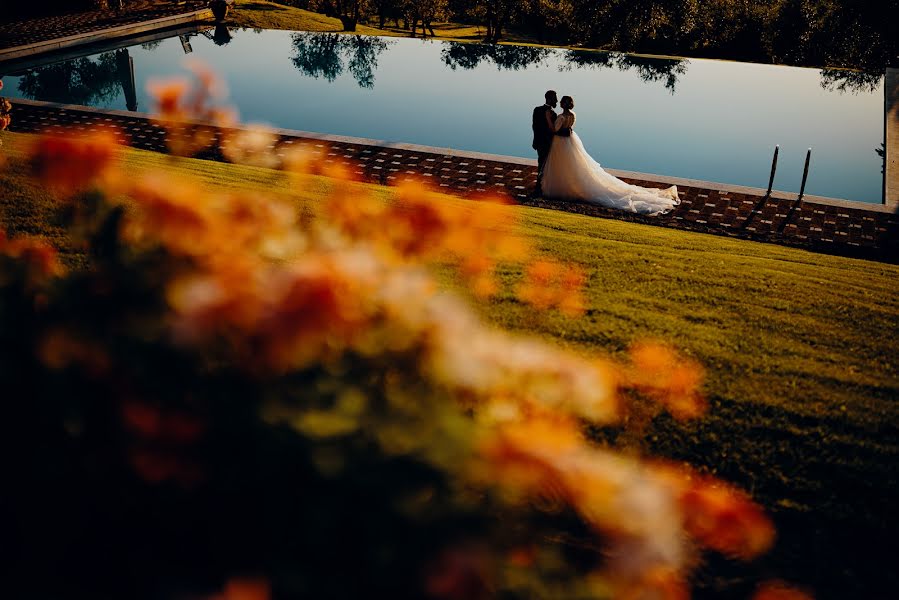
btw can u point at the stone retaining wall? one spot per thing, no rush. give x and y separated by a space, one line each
819 224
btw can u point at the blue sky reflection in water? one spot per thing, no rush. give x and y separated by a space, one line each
711 120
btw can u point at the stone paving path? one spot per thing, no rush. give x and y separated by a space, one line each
833 228
40 29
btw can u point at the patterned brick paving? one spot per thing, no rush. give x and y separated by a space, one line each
835 229
41 29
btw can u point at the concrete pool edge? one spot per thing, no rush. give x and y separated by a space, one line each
827 225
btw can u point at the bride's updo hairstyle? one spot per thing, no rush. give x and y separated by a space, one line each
567 102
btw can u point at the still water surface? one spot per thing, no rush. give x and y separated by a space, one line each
702 119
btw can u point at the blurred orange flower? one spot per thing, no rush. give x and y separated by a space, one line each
674 381
59 349
658 583
253 145
169 95
548 284
778 590
459 573
725 519
34 252
247 589
68 164
188 112
151 422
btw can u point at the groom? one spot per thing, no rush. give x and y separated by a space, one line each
542 123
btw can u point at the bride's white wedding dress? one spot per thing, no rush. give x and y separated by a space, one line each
571 173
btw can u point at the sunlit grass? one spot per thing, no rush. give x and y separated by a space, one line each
772 320
269 15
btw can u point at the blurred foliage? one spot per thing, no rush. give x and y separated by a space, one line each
5 109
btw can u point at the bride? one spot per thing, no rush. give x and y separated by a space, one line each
572 174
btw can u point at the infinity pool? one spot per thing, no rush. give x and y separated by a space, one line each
702 119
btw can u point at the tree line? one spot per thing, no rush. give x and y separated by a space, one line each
860 34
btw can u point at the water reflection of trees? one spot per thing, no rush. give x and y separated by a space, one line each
468 56
86 81
856 82
327 55
649 69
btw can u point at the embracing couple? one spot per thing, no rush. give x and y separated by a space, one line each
565 170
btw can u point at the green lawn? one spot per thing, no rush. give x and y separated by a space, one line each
270 15
800 348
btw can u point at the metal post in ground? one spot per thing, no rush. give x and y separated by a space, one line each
808 158
773 170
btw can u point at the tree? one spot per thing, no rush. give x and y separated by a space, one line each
644 25
496 15
426 12
348 11
548 18
390 10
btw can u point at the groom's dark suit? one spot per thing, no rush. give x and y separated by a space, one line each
543 138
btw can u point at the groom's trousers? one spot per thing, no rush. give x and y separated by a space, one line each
542 154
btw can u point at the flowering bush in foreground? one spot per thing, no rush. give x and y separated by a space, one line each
234 398
5 108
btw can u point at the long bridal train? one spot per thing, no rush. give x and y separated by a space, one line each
571 173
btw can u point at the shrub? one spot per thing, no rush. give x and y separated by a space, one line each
5 109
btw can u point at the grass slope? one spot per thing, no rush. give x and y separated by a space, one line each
259 14
800 348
